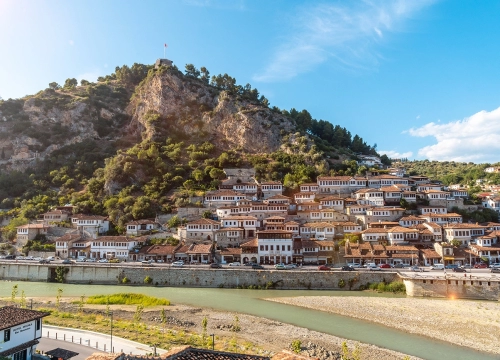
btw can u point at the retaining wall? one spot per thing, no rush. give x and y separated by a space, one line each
454 288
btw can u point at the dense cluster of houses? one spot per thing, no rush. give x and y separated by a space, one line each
255 222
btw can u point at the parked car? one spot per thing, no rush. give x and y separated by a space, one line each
215 266
280 267
384 266
495 270
80 259
114 261
347 268
179 263
416 269
144 262
257 267
354 265
480 266
466 266
103 261
459 269
235 264
90 260
12 257
51 258
451 266
495 265
324 267
399 266
159 261
373 267
437 267
67 261
44 261
291 266
249 264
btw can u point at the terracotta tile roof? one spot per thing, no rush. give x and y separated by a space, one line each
224 193
388 208
401 229
252 243
400 248
339 178
88 217
411 218
199 249
11 316
430 254
374 231
239 217
141 222
277 197
204 221
274 231
182 249
231 251
68 237
159 250
33 226
229 229
463 226
18 348
330 198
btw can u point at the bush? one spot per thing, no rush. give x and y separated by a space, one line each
148 280
341 283
125 280
296 346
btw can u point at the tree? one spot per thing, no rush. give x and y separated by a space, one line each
384 159
207 214
191 71
70 83
205 75
54 86
84 82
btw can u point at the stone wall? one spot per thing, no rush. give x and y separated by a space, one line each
454 288
194 277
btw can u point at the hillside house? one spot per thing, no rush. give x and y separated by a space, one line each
275 246
92 225
29 232
139 227
270 189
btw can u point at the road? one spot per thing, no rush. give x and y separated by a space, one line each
89 342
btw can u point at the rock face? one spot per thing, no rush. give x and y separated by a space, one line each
190 106
35 126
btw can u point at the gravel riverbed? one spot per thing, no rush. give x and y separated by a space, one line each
474 324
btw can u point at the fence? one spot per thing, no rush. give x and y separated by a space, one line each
51 334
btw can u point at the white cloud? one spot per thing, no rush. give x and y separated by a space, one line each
346 32
71 42
391 154
475 138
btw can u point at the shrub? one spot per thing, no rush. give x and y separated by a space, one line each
148 280
127 299
125 280
296 346
341 283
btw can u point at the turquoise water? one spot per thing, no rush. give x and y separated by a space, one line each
250 302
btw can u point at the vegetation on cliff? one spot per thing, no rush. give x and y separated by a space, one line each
142 141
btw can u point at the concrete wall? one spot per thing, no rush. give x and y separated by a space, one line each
193 277
454 288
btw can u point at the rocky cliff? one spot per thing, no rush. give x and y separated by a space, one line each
170 101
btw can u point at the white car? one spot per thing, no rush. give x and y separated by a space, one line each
235 264
354 265
81 259
91 260
373 267
103 261
178 263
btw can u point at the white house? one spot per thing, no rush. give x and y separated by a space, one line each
201 229
370 197
20 330
271 188
139 227
29 232
92 224
275 246
110 247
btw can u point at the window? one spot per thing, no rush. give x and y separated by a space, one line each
6 335
38 323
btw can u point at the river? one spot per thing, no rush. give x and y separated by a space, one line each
250 302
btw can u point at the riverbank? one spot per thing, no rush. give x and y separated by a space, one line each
256 335
474 324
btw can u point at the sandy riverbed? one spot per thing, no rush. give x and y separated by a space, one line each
475 324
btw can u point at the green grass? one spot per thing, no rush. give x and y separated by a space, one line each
126 299
394 287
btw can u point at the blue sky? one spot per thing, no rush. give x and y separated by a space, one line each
418 78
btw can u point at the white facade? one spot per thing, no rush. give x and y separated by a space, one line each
274 247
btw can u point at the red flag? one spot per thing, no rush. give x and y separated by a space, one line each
165 45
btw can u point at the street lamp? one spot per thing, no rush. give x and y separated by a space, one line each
111 331
213 341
